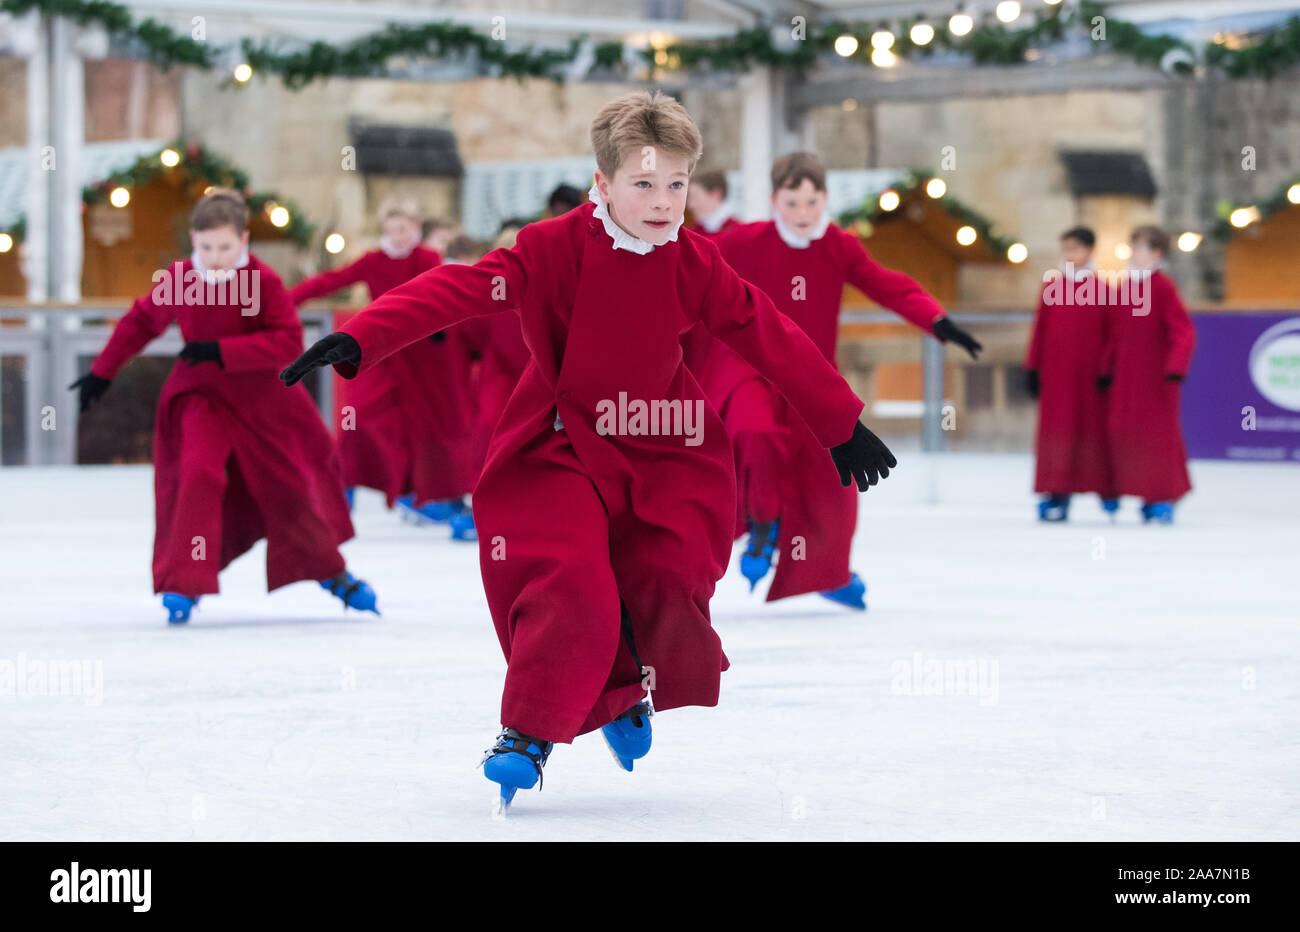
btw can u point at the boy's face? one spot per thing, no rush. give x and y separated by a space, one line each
402 232
219 248
1144 257
1075 252
702 201
647 195
799 208
438 239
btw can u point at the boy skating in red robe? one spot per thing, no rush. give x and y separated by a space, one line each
606 507
405 428
1148 352
802 261
1061 368
707 202
236 458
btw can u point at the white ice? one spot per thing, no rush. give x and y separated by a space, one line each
1138 682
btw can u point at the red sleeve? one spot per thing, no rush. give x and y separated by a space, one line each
279 341
331 281
1179 332
1034 355
744 318
893 290
433 301
143 322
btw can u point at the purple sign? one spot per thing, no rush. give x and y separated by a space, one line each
1242 397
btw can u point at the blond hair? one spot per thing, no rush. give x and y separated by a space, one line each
398 205
220 207
641 119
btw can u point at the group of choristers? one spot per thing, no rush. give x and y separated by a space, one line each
1106 359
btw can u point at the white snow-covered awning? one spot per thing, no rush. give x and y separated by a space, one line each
98 161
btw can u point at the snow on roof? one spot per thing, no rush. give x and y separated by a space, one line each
99 160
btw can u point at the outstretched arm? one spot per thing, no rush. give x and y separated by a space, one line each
901 294
145 320
744 317
432 301
329 282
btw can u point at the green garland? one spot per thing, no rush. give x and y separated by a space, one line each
161 44
870 213
198 164
1223 228
993 43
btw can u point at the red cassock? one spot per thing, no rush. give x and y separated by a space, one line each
729 224
1145 344
778 464
236 457
1065 349
574 517
499 345
409 427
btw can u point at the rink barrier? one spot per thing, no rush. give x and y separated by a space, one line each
52 338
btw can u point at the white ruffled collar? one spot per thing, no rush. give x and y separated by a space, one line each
713 222
386 245
1087 270
217 275
794 240
621 237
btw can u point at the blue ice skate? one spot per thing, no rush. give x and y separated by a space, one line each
628 736
1054 508
406 508
178 607
351 493
1110 506
354 593
462 522
757 558
436 512
1159 512
849 594
516 762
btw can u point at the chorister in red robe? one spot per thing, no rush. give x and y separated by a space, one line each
1148 353
236 457
577 521
729 223
498 343
1065 349
409 424
779 463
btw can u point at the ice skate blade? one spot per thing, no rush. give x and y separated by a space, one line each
624 763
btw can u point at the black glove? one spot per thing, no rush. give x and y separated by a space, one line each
1031 382
1103 382
862 457
327 351
439 337
1175 377
92 388
197 351
946 330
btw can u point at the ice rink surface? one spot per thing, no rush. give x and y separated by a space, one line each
1010 680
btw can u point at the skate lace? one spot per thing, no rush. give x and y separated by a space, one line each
512 741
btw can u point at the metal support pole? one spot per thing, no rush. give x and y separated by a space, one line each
932 395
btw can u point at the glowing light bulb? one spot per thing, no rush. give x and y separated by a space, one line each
119 197
966 235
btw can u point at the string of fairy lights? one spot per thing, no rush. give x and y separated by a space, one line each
1009 40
